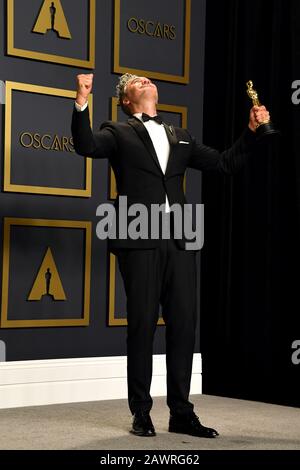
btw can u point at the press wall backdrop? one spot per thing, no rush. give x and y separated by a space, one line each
61 292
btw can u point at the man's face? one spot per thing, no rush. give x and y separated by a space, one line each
139 89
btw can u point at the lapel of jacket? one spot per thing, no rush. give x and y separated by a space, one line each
144 135
171 134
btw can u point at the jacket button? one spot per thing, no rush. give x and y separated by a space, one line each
165 178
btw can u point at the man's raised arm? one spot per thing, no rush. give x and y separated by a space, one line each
101 144
231 160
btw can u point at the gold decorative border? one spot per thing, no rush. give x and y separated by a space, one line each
169 108
18 188
157 75
12 50
112 321
87 226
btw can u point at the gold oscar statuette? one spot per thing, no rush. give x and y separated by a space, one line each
265 127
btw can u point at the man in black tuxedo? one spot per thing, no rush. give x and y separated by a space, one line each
149 159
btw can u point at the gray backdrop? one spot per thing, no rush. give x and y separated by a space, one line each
97 339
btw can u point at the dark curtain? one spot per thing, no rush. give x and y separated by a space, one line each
250 279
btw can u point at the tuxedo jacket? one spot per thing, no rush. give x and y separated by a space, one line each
131 154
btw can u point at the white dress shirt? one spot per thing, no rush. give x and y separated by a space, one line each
159 139
160 143
81 108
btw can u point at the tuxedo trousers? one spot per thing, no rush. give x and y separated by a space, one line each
166 276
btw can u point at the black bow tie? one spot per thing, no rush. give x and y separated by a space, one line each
146 117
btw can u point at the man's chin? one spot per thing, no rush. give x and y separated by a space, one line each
150 93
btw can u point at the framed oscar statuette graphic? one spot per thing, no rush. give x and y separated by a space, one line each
59 31
46 273
117 304
39 156
152 39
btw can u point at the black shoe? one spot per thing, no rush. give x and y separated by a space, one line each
142 424
190 424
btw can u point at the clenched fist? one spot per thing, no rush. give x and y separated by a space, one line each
84 87
258 115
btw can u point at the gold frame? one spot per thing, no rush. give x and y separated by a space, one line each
21 188
151 74
10 221
169 108
112 321
12 50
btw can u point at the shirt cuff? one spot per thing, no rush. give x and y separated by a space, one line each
81 108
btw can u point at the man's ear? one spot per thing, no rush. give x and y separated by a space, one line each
126 101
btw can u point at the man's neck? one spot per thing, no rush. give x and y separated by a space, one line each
147 108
